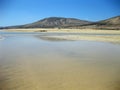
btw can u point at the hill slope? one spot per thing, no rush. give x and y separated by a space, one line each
110 24
59 22
54 22
111 21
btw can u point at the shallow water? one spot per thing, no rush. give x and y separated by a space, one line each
31 63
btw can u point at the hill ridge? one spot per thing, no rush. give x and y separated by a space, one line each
62 22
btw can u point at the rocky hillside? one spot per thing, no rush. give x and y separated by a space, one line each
111 21
109 24
59 22
54 22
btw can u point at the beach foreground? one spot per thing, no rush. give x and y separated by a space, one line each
59 61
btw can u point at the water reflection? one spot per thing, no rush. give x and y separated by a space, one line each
48 38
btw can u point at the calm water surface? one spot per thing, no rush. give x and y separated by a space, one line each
28 62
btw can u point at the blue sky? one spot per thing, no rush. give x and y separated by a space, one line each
17 12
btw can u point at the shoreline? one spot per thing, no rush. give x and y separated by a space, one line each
80 34
63 30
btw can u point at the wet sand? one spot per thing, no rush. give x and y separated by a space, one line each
32 63
1 37
101 38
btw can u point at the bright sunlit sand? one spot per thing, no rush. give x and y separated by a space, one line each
65 30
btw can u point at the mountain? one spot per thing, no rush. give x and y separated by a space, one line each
60 22
111 21
108 24
54 22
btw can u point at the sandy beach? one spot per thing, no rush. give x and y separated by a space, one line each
96 31
80 61
27 62
60 45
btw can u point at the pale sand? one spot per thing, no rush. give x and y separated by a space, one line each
106 38
66 30
62 74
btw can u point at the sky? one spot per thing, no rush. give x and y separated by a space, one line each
18 12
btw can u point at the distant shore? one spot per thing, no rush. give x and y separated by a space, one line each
64 30
88 34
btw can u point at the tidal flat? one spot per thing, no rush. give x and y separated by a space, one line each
58 62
